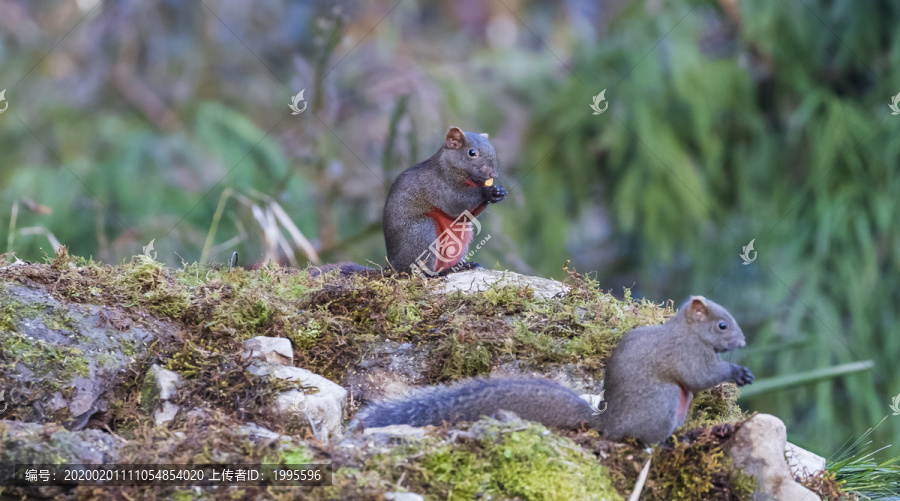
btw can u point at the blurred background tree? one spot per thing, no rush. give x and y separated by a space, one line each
131 121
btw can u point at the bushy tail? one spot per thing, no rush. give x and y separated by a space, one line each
533 399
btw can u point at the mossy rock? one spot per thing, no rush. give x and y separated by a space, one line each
345 328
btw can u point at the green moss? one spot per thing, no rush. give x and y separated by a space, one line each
329 318
149 394
539 346
697 468
106 360
39 356
526 462
184 495
296 455
715 406
582 327
507 298
530 468
692 467
464 358
251 316
306 337
127 347
9 316
212 378
42 358
61 259
12 312
59 319
743 485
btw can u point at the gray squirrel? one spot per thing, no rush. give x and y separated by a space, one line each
651 377
437 198
429 210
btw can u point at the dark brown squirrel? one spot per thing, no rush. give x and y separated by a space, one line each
651 377
430 209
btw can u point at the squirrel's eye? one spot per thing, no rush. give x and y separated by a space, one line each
473 152
723 325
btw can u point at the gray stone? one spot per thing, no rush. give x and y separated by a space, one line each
36 443
17 262
802 462
403 496
323 409
257 432
86 393
480 279
160 386
389 369
197 413
403 431
87 348
758 449
165 413
166 381
56 402
273 350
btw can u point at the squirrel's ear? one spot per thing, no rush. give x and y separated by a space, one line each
456 138
484 135
698 310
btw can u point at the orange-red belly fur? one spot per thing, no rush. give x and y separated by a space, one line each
452 239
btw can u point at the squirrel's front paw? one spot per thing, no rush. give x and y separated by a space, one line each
497 194
742 375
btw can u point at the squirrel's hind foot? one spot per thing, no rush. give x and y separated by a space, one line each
468 265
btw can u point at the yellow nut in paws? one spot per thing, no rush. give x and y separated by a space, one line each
489 182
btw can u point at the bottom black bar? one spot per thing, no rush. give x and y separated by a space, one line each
205 475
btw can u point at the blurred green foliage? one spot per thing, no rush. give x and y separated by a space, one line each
728 121
780 133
